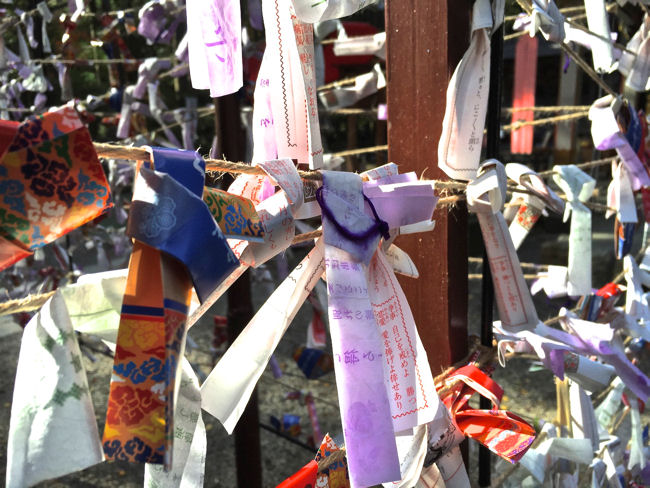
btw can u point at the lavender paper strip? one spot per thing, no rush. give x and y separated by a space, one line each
365 410
215 45
607 135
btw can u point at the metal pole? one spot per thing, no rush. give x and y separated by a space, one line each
493 123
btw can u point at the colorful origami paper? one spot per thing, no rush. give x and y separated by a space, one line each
236 215
167 213
504 433
51 182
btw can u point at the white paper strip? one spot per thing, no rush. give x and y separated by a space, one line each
485 197
53 430
601 49
227 390
407 375
318 11
578 187
190 442
459 149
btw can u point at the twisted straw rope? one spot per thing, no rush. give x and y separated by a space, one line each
27 304
34 302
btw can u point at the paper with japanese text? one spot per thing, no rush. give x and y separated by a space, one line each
190 442
407 375
290 49
485 197
459 149
357 347
214 41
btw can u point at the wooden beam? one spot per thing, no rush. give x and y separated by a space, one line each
248 457
425 41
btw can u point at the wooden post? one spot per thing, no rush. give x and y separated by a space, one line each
425 41
248 456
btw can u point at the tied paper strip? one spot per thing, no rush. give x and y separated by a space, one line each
407 376
504 433
485 197
214 41
532 206
548 19
621 196
412 448
365 407
635 307
607 134
290 49
598 22
369 45
45 12
190 444
151 337
276 214
364 86
312 12
236 215
578 187
147 73
167 214
51 182
583 418
53 430
139 418
637 461
227 389
590 338
636 67
459 149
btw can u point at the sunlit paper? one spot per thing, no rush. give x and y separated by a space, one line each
214 30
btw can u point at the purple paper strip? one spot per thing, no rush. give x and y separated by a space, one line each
214 37
365 410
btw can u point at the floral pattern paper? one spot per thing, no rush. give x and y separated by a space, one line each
236 215
51 182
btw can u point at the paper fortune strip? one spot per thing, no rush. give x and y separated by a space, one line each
151 337
226 391
459 149
356 343
635 66
214 41
532 206
188 466
290 49
578 187
607 134
51 182
485 197
53 430
602 50
408 379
